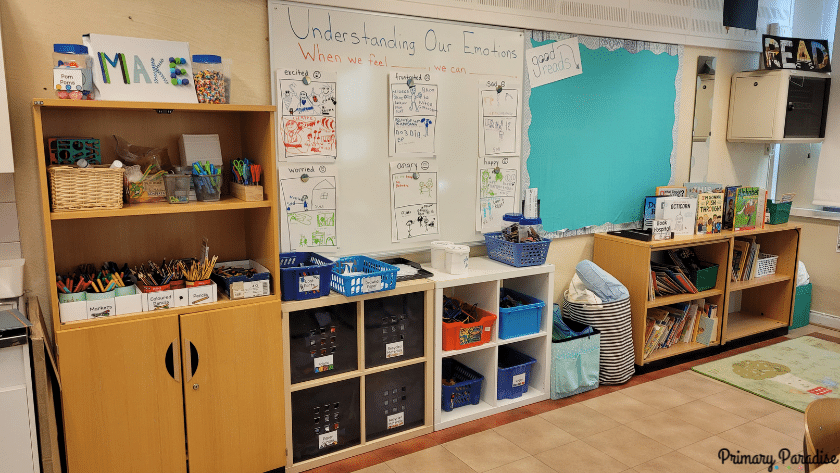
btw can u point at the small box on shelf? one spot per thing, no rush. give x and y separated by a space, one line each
242 286
246 193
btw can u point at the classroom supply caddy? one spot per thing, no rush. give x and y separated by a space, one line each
766 265
514 373
516 254
465 387
90 188
354 275
242 286
460 335
304 275
521 320
779 212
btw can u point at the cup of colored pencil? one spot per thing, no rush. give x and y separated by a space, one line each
197 273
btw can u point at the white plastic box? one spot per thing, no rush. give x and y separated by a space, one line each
11 278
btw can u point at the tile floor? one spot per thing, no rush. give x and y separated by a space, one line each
669 420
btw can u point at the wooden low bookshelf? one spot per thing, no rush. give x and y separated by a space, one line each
766 303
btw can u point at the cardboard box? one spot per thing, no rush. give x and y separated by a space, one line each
129 304
73 311
158 300
180 297
202 294
101 308
240 287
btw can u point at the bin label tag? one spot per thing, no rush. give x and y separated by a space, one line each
309 283
519 380
396 420
328 439
324 363
371 284
393 349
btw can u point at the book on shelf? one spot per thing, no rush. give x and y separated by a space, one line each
706 330
669 325
739 258
746 209
729 206
681 211
693 189
671 191
649 212
671 280
709 213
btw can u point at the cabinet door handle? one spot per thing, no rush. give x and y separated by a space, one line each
172 360
191 359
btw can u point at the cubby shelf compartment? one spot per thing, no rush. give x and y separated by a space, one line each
419 290
481 285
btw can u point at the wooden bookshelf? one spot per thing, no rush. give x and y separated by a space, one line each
766 303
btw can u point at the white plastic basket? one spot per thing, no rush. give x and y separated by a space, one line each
766 265
11 278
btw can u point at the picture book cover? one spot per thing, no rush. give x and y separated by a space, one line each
681 211
705 330
729 206
693 189
709 213
649 212
746 208
671 191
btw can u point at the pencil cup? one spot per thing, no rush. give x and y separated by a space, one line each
179 284
63 297
457 259
439 254
177 188
203 282
98 296
208 188
125 291
147 289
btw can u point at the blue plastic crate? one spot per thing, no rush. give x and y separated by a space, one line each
516 254
522 320
302 270
378 276
514 373
467 387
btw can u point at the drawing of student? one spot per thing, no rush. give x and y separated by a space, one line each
699 224
413 91
427 122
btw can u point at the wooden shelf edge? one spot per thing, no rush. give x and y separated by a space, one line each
160 208
677 349
762 281
662 301
335 298
744 324
223 303
124 105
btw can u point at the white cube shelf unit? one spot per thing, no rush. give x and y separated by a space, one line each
481 285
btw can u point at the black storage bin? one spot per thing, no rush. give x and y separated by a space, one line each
322 342
394 400
394 328
325 419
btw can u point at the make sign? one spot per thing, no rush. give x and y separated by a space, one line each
552 62
136 69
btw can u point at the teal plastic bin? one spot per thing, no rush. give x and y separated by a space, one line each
802 307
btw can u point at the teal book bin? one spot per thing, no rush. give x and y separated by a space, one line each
802 307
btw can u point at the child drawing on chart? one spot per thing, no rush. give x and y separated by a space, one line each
413 106
426 188
408 224
427 122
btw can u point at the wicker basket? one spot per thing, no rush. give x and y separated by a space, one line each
90 188
766 265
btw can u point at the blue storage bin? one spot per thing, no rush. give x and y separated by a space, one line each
522 320
378 276
467 387
516 254
314 272
514 373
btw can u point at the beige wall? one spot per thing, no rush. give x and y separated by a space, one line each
818 250
239 30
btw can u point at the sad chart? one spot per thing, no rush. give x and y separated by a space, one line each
307 115
499 119
498 191
413 101
308 208
414 205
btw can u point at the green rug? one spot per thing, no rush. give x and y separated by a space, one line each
792 373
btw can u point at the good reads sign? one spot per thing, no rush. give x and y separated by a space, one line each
137 69
553 61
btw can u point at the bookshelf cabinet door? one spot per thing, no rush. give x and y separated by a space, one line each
233 389
123 406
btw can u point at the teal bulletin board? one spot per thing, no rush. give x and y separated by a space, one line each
599 142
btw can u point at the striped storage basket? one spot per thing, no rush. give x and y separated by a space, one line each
613 321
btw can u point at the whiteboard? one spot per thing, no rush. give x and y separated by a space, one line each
363 49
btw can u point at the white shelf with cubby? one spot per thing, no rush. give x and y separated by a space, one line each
481 285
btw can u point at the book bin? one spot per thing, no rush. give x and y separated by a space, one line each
394 401
325 419
322 342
